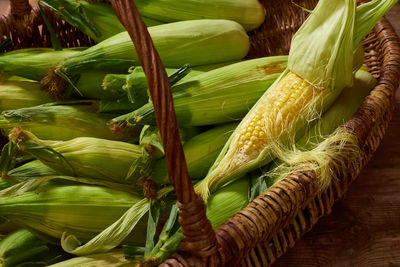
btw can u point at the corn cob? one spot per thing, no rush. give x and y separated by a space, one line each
34 63
97 20
101 85
249 13
307 88
197 42
63 122
229 199
150 139
114 258
22 247
217 96
19 94
342 109
83 157
54 208
200 152
30 170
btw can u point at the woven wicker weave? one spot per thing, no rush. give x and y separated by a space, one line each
272 223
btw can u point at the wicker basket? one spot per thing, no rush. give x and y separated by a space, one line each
271 224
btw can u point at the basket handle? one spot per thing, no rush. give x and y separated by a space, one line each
20 7
200 239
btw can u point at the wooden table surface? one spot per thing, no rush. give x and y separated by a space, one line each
364 227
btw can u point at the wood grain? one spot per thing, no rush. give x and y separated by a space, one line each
364 227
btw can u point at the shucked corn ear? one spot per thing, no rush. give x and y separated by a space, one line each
20 94
83 157
97 20
34 63
54 208
221 95
62 122
341 110
196 42
316 74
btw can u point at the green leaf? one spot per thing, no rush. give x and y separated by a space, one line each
154 215
53 36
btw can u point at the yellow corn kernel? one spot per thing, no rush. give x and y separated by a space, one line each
271 117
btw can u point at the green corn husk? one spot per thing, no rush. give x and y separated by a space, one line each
323 68
34 63
63 122
150 139
56 208
31 170
21 247
217 96
223 204
97 20
19 94
200 152
105 86
197 42
114 258
249 13
82 157
342 109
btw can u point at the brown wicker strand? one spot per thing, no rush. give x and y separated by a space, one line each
20 7
200 238
160 91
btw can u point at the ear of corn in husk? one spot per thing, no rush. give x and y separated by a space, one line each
83 156
97 20
230 199
316 74
200 152
34 63
55 208
22 247
249 13
19 94
102 85
341 110
150 139
307 146
153 150
197 42
217 96
115 258
63 121
31 170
